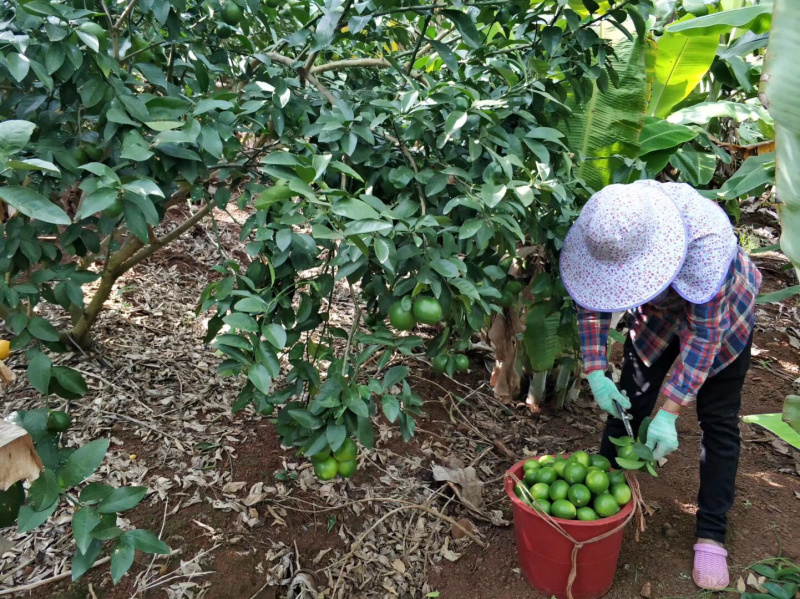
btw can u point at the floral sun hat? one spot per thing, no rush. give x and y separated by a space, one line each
712 243
625 248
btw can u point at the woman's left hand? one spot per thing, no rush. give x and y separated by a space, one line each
662 436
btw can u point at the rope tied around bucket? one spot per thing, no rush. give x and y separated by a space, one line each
639 507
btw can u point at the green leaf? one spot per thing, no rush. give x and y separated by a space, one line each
304 418
39 372
18 65
33 205
753 175
445 268
697 168
259 376
242 322
82 463
391 407
70 379
661 135
97 201
122 499
791 411
41 329
643 452
44 491
121 558
83 562
83 521
629 464
355 209
335 434
541 337
275 334
466 27
703 112
446 54
681 63
778 296
610 122
621 441
754 18
146 541
14 136
29 519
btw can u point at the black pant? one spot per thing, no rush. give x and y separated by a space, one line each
718 404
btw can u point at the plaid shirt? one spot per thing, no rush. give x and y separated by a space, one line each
711 335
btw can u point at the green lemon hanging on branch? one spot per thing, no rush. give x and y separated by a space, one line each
231 13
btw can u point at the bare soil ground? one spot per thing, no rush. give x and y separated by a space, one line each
247 520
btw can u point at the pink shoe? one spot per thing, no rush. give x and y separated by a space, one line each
710 567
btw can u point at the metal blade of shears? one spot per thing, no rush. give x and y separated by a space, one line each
625 417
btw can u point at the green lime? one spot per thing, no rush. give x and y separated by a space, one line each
546 460
546 475
616 477
58 421
322 455
530 477
520 491
605 505
600 462
587 514
402 320
231 13
347 451
559 490
225 31
440 363
540 491
506 263
559 465
574 473
114 210
597 481
561 508
542 505
514 287
621 493
506 299
10 501
267 409
347 468
590 468
427 310
531 465
581 457
579 495
627 453
326 469
462 362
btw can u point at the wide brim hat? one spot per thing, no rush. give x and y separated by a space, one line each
625 248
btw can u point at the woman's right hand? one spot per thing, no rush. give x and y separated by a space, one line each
605 392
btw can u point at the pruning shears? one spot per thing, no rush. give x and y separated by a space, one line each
625 417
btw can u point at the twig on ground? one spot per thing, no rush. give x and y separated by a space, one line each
35 585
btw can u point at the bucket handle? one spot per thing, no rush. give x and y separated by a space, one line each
638 508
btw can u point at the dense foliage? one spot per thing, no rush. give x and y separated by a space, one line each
391 149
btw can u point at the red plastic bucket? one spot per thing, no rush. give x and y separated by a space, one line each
545 555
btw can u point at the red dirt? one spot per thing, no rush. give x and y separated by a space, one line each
763 521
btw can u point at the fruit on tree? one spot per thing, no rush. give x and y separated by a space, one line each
231 13
327 468
462 362
10 501
440 363
427 310
58 421
347 468
401 319
5 348
114 210
348 451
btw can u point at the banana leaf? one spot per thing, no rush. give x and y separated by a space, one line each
783 81
609 124
681 63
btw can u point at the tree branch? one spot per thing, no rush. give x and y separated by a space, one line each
157 244
364 63
419 42
124 15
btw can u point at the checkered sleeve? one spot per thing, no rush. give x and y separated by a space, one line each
593 330
700 341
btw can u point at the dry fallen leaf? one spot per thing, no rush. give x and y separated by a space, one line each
20 460
233 487
740 585
467 479
399 566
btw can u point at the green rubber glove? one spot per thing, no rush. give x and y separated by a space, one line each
605 392
662 438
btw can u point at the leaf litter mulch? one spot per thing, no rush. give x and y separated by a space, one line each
246 519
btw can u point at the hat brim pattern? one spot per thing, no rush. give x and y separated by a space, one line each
604 286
